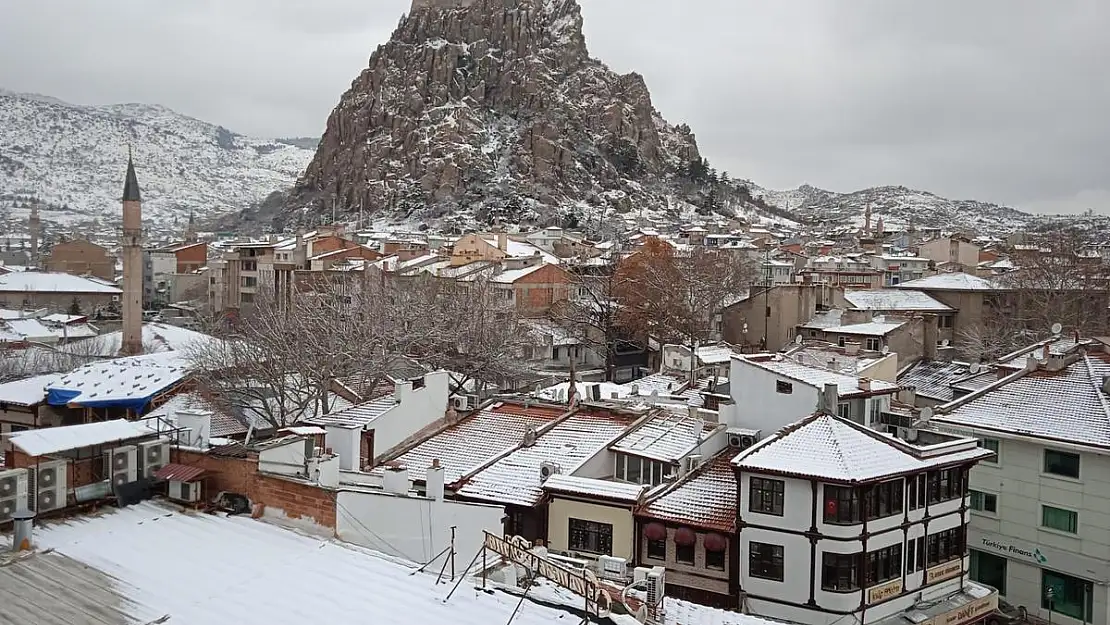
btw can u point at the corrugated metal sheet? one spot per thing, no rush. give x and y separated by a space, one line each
179 472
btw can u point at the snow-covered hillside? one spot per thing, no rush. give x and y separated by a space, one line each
75 156
897 206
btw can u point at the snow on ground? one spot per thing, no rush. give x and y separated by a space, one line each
201 569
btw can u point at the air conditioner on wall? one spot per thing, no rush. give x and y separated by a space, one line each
51 486
185 491
739 438
122 465
155 455
13 492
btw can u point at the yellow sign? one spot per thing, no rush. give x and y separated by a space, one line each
944 571
969 612
876 594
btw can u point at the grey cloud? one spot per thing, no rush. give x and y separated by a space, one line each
1000 100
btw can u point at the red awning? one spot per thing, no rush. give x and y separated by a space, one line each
179 472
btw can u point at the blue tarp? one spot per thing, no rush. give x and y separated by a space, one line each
64 396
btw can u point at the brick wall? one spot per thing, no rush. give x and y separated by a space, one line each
240 475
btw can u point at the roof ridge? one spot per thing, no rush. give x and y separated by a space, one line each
1097 384
976 394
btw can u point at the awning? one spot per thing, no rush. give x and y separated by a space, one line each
45 441
179 472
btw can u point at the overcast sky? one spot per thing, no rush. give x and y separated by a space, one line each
998 100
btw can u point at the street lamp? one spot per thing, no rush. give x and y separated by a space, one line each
1050 597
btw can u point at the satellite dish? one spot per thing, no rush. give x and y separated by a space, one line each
926 413
1057 328
886 349
945 343
798 339
974 368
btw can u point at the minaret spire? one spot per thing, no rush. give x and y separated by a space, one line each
131 248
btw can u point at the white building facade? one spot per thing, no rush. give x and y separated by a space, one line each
841 524
1040 511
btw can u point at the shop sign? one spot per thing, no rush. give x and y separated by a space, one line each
970 612
875 594
944 571
1012 550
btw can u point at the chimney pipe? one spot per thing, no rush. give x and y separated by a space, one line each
502 241
24 521
830 399
434 481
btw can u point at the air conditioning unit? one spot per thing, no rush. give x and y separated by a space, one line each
51 487
691 462
155 455
741 438
547 469
122 463
610 567
184 491
13 492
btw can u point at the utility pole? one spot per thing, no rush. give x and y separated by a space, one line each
766 299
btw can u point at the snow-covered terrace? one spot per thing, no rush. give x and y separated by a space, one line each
665 436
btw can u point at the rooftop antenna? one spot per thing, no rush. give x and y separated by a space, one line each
886 349
975 368
1057 328
798 339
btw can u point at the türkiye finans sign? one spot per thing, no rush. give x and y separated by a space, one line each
1013 550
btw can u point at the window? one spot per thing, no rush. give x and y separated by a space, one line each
1061 463
984 502
840 572
916 491
249 281
785 388
993 445
657 549
250 265
639 470
884 499
1059 519
945 546
987 568
591 537
715 560
841 341
883 565
945 484
873 344
915 554
841 505
765 561
246 298
1067 595
944 322
766 496
844 410
684 554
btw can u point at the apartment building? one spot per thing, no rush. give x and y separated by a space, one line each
899 269
1040 509
840 523
80 257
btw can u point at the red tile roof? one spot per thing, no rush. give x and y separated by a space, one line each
705 498
179 472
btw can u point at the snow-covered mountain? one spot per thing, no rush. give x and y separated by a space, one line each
73 157
897 206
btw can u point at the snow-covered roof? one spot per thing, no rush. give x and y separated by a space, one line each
870 328
824 320
934 378
45 441
519 249
244 566
157 337
847 386
705 498
559 392
950 282
1067 405
893 299
222 424
830 448
590 487
28 391
359 415
832 358
715 354
510 276
128 382
43 282
478 439
515 479
664 436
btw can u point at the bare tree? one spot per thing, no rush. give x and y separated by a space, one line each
478 334
676 295
591 312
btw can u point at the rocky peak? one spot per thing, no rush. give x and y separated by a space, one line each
492 108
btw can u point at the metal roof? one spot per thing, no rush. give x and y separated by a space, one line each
179 472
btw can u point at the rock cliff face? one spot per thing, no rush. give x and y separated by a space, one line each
491 109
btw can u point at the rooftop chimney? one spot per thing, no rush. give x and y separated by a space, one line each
830 399
851 347
434 481
502 241
23 522
865 384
